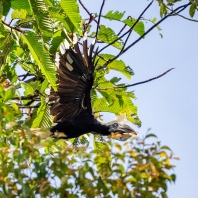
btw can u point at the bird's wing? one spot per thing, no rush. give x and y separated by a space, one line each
75 80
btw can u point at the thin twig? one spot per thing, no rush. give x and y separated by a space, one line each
181 15
138 83
25 97
125 25
11 27
142 82
99 18
122 29
25 75
89 13
28 107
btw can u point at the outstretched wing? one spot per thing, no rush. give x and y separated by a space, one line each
75 80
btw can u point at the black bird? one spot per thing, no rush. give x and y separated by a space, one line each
72 108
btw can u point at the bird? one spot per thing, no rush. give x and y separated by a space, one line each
72 109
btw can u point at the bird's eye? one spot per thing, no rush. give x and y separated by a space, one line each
115 125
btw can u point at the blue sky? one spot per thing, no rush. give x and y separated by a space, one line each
168 105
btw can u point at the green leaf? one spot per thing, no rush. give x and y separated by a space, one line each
173 176
163 10
108 35
5 6
56 41
138 28
43 118
117 65
115 80
8 94
72 11
41 57
1 8
192 10
165 148
154 20
15 107
42 17
114 15
22 4
19 14
150 135
7 48
164 195
120 105
28 90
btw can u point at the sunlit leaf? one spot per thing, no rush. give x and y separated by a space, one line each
139 27
114 15
72 11
192 10
41 57
150 135
19 14
108 36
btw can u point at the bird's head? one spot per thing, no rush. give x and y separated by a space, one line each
119 130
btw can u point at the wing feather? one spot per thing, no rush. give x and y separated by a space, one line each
75 80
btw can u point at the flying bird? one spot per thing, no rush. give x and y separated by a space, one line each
72 109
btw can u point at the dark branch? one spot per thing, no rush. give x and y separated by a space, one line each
28 107
11 27
176 14
35 97
89 13
122 29
22 75
25 76
138 83
142 82
99 19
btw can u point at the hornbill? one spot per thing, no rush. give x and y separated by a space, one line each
72 109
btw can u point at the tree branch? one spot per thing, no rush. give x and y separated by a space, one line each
142 82
28 107
99 18
25 97
87 10
11 27
138 83
181 15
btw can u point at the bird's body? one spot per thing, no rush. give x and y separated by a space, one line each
72 108
79 125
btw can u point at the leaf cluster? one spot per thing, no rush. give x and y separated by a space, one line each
134 169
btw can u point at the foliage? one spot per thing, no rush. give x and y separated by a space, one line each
31 32
134 169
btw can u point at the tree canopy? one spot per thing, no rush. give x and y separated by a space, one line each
31 32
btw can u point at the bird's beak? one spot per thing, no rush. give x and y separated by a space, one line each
123 133
131 133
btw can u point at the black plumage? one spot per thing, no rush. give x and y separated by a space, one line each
72 108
